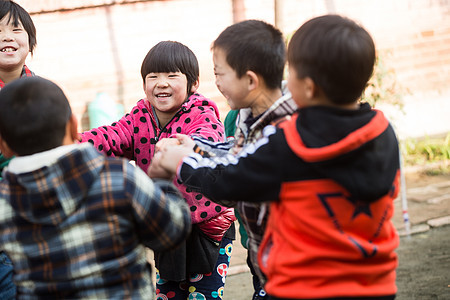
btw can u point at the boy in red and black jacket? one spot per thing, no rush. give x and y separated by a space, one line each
331 173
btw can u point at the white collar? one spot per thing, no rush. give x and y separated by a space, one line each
28 163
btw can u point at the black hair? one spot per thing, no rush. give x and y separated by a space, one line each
17 13
170 56
33 115
257 46
336 53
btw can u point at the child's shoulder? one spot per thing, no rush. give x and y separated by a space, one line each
199 99
199 103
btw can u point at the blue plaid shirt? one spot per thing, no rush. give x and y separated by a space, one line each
78 227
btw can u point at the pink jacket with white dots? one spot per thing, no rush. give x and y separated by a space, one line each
134 136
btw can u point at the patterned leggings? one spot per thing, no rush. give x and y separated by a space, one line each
200 286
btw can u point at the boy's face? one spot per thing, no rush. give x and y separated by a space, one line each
14 45
166 92
234 89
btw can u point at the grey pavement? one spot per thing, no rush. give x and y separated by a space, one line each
428 207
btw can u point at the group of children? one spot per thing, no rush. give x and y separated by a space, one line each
311 172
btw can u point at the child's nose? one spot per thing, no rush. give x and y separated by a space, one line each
162 83
6 37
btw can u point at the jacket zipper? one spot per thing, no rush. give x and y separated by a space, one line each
157 136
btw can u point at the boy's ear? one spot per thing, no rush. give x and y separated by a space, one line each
74 127
71 131
195 86
4 148
253 80
311 89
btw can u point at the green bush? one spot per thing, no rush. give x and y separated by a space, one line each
426 151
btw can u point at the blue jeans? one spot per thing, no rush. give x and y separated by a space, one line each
7 286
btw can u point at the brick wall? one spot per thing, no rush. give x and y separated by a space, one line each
98 45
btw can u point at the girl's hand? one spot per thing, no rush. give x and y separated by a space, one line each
156 170
168 159
164 143
174 141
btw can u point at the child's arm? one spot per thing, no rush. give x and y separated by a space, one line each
199 144
200 118
113 140
162 217
165 162
254 175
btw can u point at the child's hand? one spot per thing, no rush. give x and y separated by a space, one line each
168 159
156 170
164 143
178 140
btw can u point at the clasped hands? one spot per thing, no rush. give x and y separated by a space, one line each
168 154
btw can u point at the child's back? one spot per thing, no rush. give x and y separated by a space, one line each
76 223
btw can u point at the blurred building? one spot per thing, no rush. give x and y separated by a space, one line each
92 46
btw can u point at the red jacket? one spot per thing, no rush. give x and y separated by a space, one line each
338 247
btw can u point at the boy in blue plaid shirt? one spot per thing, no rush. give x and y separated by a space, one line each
75 223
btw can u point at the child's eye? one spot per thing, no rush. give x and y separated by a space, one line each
173 75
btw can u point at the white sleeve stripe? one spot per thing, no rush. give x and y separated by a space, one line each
196 161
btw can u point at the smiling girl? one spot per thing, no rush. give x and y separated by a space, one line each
170 74
17 40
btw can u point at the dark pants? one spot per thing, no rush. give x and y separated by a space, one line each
200 286
259 293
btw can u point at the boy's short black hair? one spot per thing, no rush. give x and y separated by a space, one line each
170 56
336 53
257 46
15 14
33 115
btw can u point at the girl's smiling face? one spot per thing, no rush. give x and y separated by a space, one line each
14 44
166 92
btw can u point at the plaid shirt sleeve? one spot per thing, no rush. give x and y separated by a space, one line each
162 217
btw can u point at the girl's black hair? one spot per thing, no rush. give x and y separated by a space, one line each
15 14
170 56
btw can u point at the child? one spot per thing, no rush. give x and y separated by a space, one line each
74 222
249 60
17 39
170 73
331 172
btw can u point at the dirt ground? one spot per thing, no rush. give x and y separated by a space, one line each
424 258
423 272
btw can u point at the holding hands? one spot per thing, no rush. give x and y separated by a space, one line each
169 153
